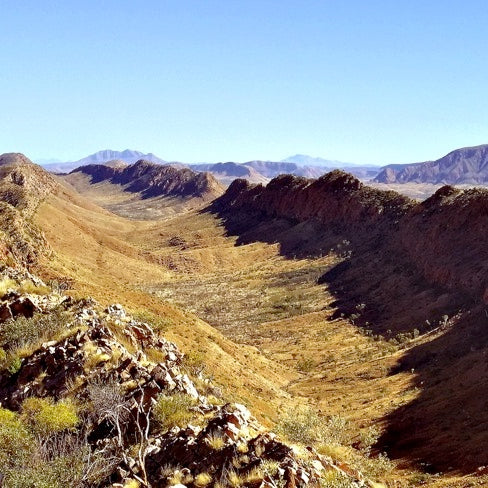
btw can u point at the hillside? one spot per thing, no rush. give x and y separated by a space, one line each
395 255
96 398
468 165
144 189
296 300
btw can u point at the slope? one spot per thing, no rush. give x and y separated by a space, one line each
468 165
413 273
143 189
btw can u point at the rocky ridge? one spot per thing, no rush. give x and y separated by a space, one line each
120 373
23 186
339 206
152 180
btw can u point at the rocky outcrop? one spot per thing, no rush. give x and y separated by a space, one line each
337 200
468 165
23 186
118 369
152 180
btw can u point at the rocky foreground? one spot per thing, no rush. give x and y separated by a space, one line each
93 397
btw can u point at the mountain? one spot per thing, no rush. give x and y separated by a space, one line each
152 180
101 157
228 172
305 160
96 395
468 165
348 319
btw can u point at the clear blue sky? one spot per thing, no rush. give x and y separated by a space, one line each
204 80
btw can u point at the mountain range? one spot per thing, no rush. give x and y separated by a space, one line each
468 165
144 309
462 166
100 157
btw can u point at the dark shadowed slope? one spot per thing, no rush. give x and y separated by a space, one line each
409 269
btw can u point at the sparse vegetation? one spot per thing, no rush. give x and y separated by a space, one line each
173 410
215 441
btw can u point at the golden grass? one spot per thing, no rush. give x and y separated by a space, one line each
271 344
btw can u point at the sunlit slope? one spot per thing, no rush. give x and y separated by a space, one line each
110 258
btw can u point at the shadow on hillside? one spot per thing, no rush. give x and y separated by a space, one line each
446 427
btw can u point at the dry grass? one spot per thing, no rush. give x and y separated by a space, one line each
276 343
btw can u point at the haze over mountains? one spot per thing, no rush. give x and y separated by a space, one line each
100 157
462 166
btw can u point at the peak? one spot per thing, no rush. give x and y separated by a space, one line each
339 179
14 159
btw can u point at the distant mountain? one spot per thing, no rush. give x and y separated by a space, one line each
228 172
270 169
468 165
262 171
101 157
304 159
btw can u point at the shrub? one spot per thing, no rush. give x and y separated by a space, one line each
26 331
173 410
28 286
5 285
305 426
300 425
46 418
16 442
203 479
157 323
215 441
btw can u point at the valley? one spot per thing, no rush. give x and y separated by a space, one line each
300 301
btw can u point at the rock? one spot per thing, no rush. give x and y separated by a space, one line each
5 312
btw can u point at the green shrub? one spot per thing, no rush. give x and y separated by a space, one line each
16 441
157 323
173 410
305 426
23 331
300 425
45 418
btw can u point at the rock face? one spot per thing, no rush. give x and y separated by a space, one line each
23 186
153 180
467 165
106 363
441 241
336 199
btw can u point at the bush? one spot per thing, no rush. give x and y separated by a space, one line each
305 426
173 410
46 418
16 442
23 331
300 425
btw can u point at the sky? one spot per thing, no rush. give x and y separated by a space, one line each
372 82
